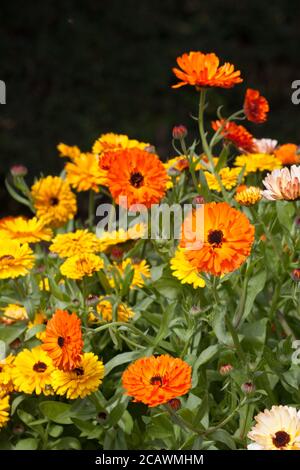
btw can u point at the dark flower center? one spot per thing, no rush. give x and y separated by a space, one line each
79 371
215 237
60 341
281 439
40 367
54 201
156 380
1 369
136 179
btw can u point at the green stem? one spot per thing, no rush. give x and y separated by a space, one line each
91 209
205 145
236 340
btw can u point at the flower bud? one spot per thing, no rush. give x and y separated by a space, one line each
18 429
101 416
179 132
297 221
195 310
116 253
248 387
92 300
18 170
175 404
296 275
198 200
225 369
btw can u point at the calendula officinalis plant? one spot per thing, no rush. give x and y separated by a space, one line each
120 340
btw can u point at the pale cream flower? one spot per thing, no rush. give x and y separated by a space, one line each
276 429
282 184
265 145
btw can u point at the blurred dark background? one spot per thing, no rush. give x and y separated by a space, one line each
76 69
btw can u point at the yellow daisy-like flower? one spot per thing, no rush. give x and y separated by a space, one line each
13 313
257 162
78 266
68 151
6 379
24 230
15 259
105 311
4 411
229 178
184 271
248 196
32 372
111 142
75 243
53 200
116 237
39 319
81 381
141 271
276 429
84 173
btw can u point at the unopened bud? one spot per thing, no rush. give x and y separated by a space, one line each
198 200
101 416
15 344
296 274
195 310
225 369
18 170
179 132
116 253
248 387
175 404
18 429
92 300
297 221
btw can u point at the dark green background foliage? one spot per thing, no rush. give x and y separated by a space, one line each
74 70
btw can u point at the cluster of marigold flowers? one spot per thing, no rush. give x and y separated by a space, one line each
120 166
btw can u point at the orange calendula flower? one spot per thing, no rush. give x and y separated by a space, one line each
256 107
137 175
156 380
228 238
288 154
54 202
63 340
234 133
202 70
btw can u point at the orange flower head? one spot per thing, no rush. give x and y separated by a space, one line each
202 70
63 340
234 133
288 154
256 107
228 238
157 380
138 175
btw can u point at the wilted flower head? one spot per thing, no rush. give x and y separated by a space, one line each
283 184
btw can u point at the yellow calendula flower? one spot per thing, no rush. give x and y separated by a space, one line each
15 259
75 243
24 230
178 163
78 266
105 311
4 411
68 151
13 313
248 196
276 429
111 142
6 379
141 271
185 271
32 372
84 173
39 319
257 162
82 380
53 200
116 237
229 178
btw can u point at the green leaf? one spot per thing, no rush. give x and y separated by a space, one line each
9 333
27 444
255 286
57 412
17 196
31 332
124 358
285 213
65 443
